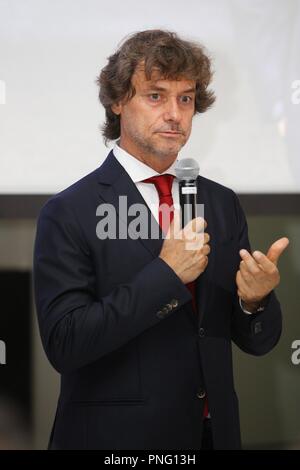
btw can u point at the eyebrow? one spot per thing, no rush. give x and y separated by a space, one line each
160 88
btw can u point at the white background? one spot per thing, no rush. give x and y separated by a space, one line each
51 52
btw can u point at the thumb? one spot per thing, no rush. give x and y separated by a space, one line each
276 249
194 227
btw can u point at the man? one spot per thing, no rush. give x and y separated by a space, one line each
140 328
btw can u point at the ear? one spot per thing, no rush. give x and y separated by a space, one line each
116 108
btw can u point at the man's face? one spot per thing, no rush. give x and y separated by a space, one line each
157 121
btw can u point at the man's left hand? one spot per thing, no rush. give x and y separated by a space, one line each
258 274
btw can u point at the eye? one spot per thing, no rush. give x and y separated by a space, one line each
186 99
154 96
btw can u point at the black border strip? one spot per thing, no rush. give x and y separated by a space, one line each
18 206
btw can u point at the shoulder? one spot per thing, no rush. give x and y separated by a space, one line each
215 189
84 193
220 198
75 197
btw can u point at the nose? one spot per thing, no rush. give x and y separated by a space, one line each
172 111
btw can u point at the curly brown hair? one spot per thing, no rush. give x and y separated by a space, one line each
157 49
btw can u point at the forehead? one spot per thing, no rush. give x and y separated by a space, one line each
140 81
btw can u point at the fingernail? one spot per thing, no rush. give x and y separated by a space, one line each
243 252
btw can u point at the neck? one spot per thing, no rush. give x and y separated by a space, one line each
159 164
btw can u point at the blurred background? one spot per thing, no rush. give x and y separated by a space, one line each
50 55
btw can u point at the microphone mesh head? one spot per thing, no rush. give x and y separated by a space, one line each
187 169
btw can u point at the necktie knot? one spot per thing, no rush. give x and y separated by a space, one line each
163 184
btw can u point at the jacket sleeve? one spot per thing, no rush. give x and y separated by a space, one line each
76 327
258 333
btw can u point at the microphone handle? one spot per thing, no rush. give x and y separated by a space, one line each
187 200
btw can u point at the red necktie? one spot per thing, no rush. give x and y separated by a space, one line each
163 184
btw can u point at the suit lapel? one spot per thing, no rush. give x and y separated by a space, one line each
115 182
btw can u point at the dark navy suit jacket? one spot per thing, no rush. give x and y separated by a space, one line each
118 324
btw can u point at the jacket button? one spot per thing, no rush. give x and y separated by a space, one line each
257 327
174 303
201 332
201 394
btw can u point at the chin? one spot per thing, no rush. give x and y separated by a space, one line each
168 153
174 148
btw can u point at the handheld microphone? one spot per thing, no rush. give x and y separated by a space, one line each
187 171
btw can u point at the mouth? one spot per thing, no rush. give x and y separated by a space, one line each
170 133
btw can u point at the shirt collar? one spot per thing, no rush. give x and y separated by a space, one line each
137 170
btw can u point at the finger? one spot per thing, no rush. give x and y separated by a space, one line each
249 263
196 225
199 241
245 272
206 249
176 225
204 260
277 248
241 284
243 289
264 263
206 237
247 276
174 230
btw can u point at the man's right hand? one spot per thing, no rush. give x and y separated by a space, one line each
186 250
